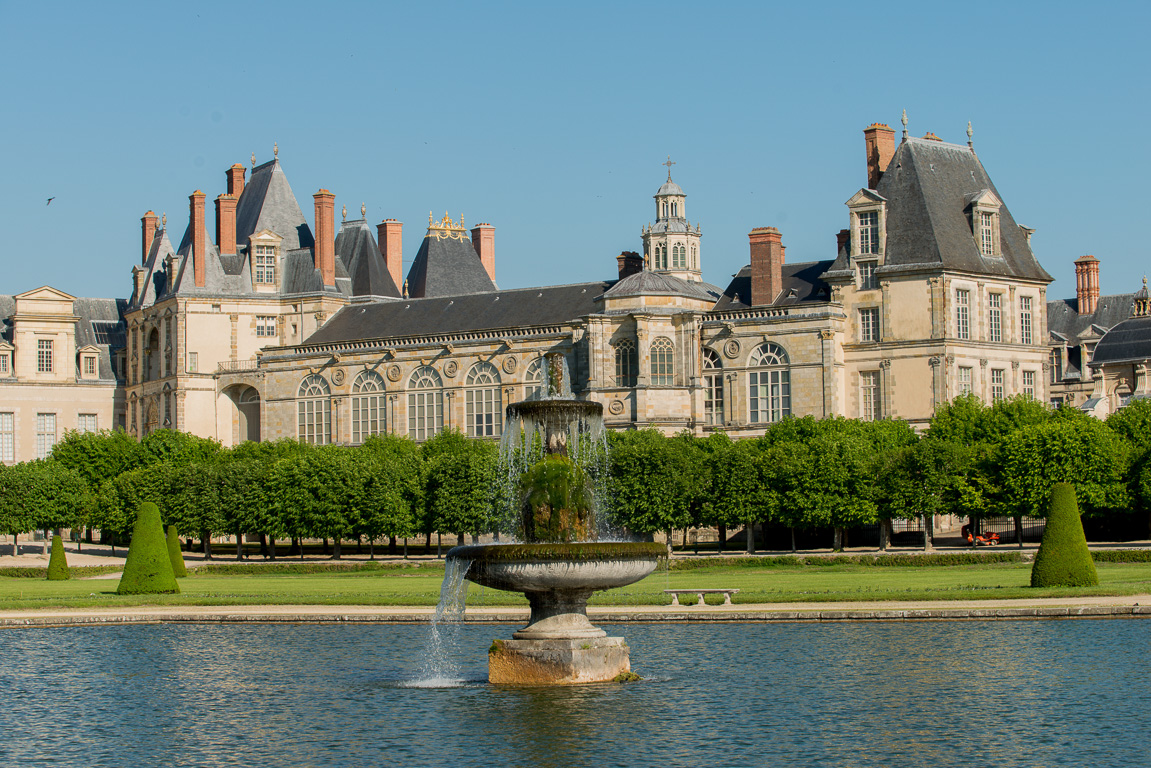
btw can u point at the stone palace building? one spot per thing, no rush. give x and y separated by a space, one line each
269 327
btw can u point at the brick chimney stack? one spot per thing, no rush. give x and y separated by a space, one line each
880 141
390 238
484 241
766 265
1087 284
630 263
199 244
148 228
226 223
326 236
235 176
842 240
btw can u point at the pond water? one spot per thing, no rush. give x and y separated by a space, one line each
1017 693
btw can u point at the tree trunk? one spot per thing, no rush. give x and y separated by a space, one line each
16 545
239 546
792 528
360 545
883 541
326 551
837 539
750 530
439 545
427 542
264 546
206 539
405 547
1019 530
371 549
670 533
47 538
335 547
475 539
271 547
391 545
722 537
928 539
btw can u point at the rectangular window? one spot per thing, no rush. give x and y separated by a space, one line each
867 281
1056 365
45 434
1025 322
367 417
713 399
44 355
7 437
997 392
86 422
995 317
962 314
964 380
869 404
265 325
265 264
1029 383
770 395
193 362
89 365
4 363
987 234
869 324
869 232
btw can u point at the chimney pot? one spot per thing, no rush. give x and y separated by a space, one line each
880 142
226 223
766 265
484 241
325 248
629 263
235 176
1087 284
390 242
148 228
199 242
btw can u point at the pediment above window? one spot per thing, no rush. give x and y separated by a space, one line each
865 197
985 199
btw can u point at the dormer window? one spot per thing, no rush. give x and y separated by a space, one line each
986 234
266 264
869 232
264 250
985 208
868 225
5 359
44 355
89 365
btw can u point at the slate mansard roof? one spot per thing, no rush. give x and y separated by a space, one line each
928 186
1128 342
801 282
649 283
447 266
100 323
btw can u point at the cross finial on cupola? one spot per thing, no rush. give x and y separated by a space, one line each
669 164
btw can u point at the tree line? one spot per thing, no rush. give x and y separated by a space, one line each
974 460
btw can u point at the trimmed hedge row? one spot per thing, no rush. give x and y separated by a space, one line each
240 569
888 561
1121 555
77 571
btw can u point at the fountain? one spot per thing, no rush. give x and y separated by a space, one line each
554 453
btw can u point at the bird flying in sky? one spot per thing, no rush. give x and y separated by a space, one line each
50 200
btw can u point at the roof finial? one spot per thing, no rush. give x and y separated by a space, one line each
970 133
669 164
364 210
344 212
275 149
405 288
253 159
904 121
164 220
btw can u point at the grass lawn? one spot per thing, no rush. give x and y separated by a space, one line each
421 586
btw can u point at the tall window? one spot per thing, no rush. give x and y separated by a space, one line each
1029 383
694 258
314 409
44 355
661 256
265 325
869 232
870 406
1026 325
769 389
869 324
712 388
965 387
425 403
987 233
89 365
484 404
625 363
534 380
963 314
3 362
45 434
265 264
86 422
997 392
867 281
367 406
678 257
7 437
1056 365
662 362
995 317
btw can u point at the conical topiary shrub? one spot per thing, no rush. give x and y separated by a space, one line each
148 569
57 562
175 554
1063 559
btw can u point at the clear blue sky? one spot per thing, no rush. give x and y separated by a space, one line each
550 121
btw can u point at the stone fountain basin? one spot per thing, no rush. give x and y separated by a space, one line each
582 567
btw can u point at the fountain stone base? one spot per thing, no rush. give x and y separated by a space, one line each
558 662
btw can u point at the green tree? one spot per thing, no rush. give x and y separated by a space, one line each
460 484
1063 559
649 482
737 487
175 554
58 562
41 495
97 456
148 569
169 446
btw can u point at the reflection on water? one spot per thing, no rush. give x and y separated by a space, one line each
939 694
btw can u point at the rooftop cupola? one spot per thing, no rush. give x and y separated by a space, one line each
672 244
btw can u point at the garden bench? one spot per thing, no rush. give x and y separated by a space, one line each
675 593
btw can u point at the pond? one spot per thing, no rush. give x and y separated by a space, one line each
893 694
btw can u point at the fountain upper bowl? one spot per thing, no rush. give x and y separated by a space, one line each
586 567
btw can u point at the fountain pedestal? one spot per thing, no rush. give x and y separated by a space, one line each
558 662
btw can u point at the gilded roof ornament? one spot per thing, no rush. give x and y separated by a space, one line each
164 220
364 210
275 149
344 212
253 159
445 228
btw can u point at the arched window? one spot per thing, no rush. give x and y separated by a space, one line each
694 258
770 387
712 388
675 209
665 210
534 380
625 363
484 405
425 403
314 409
662 362
661 256
367 406
678 257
